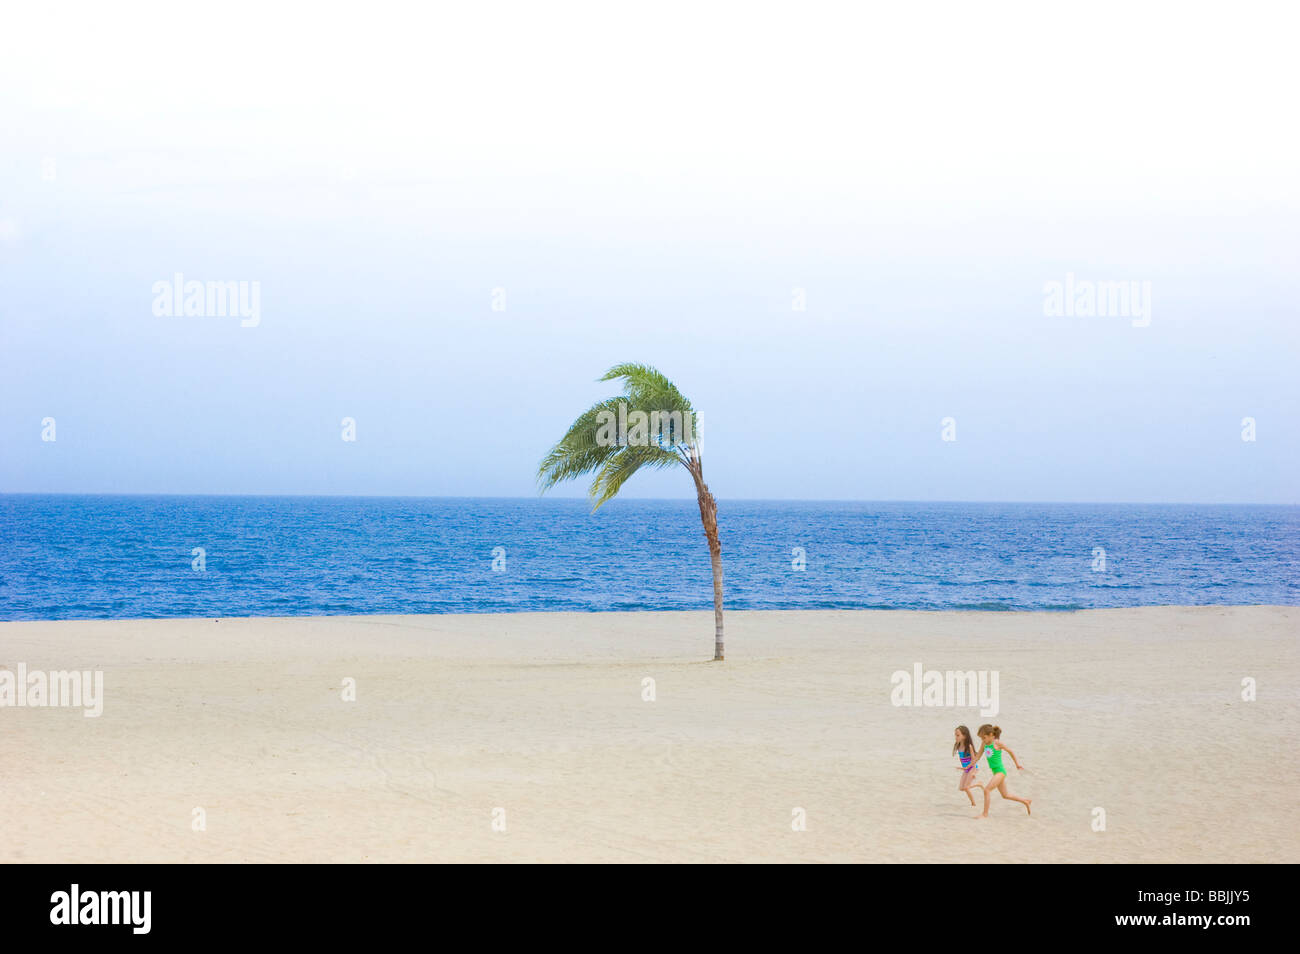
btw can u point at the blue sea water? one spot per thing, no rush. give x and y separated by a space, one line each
112 557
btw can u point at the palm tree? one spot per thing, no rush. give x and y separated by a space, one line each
663 432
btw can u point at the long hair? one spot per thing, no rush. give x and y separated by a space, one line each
967 744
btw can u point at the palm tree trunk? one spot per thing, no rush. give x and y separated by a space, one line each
715 552
709 517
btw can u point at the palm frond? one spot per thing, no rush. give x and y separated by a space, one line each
615 472
579 452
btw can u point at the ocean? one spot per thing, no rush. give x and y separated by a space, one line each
125 557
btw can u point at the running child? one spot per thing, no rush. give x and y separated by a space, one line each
991 736
964 748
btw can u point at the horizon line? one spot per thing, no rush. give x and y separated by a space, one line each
683 498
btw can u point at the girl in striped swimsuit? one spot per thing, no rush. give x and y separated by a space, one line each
964 747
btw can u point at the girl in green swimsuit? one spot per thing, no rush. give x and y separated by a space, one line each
990 736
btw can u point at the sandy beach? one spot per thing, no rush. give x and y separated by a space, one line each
540 724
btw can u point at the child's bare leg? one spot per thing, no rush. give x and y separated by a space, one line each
994 782
1023 801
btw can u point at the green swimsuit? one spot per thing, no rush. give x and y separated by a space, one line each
995 760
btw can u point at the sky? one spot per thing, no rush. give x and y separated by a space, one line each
835 227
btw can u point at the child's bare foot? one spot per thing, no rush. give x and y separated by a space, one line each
1027 801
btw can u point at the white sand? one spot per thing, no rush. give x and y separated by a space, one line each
1137 712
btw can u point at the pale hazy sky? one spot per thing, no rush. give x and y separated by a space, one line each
653 184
